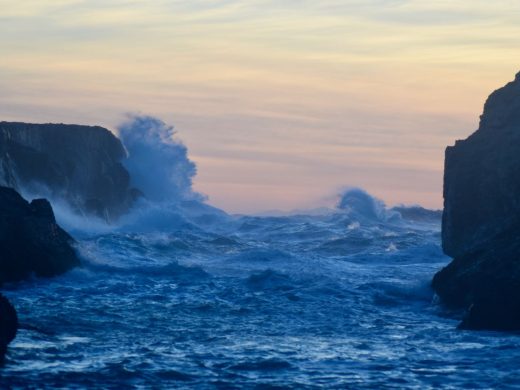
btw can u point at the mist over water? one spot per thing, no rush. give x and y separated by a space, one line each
160 168
357 201
158 163
179 294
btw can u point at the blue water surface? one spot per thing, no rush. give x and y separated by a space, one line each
340 300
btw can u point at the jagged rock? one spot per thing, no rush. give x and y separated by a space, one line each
8 324
81 164
481 220
31 242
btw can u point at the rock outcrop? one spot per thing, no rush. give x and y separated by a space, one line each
80 164
31 242
418 214
481 220
8 325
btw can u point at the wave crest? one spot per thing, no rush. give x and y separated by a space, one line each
157 162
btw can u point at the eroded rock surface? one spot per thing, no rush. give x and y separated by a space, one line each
481 220
8 325
80 164
31 242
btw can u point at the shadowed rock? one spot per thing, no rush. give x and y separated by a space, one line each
31 242
481 220
81 164
8 325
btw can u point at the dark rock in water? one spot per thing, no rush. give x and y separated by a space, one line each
81 164
31 242
418 214
486 282
8 324
481 220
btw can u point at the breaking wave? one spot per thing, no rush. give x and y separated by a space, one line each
158 163
179 294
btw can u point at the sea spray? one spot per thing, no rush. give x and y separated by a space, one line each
361 204
157 161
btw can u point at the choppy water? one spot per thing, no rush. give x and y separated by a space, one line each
335 301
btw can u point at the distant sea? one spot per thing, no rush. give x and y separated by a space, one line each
187 297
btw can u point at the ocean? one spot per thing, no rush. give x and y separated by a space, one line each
186 296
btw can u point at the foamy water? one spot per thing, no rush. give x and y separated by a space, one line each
332 301
178 294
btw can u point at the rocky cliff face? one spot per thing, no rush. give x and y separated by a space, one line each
81 164
31 242
482 175
8 325
481 220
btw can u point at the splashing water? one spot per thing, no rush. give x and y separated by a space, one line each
158 163
181 295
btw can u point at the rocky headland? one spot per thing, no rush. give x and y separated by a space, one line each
31 244
79 164
481 219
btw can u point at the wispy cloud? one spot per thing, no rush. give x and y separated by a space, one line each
353 84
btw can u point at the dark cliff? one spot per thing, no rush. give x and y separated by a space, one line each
81 164
8 325
481 220
31 242
482 175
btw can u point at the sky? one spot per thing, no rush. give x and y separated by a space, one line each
281 104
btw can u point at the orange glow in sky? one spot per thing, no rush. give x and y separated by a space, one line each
281 103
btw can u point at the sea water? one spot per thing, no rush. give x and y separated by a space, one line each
169 299
178 294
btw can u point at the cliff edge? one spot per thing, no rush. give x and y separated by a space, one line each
481 219
80 164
